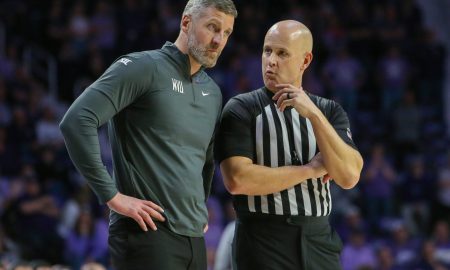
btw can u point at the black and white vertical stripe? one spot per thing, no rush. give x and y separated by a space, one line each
273 149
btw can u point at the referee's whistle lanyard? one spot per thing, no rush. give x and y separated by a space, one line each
295 160
294 157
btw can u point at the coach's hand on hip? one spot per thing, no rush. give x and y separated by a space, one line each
289 95
141 211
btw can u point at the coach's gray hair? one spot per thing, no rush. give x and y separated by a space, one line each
195 7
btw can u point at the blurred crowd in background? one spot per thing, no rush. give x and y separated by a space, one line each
375 57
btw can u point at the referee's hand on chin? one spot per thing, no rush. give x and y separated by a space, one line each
141 211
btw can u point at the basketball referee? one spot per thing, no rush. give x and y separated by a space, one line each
278 146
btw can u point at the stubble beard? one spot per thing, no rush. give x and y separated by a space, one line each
200 53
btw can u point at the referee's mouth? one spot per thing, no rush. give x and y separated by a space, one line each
270 74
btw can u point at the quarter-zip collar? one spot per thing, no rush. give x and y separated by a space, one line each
181 59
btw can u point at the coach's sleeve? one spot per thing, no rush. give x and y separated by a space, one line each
208 168
122 83
235 132
339 120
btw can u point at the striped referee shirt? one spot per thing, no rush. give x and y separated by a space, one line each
253 127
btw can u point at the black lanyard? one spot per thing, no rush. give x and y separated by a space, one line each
290 132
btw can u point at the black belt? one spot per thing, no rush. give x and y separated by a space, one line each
293 220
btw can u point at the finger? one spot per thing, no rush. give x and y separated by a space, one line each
154 206
280 92
286 103
153 213
326 178
141 222
283 88
206 228
146 217
282 98
292 97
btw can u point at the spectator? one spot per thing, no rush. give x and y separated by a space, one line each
79 200
103 27
406 124
78 245
427 260
79 29
352 221
441 209
344 78
223 259
47 130
415 199
393 75
378 187
385 259
357 253
404 247
441 237
34 215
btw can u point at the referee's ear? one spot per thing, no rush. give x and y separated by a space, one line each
307 60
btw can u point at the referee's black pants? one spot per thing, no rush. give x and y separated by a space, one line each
272 242
133 249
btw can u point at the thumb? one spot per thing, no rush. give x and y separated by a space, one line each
326 178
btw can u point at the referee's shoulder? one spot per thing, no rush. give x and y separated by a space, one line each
247 97
244 102
323 103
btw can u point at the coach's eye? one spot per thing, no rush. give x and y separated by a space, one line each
212 27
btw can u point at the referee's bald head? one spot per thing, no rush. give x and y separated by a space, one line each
293 33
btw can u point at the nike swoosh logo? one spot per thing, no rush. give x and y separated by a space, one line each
205 94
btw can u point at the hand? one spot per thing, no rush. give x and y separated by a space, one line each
289 95
326 178
205 229
141 211
317 166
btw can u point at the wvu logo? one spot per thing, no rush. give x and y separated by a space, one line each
177 86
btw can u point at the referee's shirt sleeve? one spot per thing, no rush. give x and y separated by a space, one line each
234 137
339 120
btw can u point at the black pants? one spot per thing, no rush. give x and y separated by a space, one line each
132 248
278 242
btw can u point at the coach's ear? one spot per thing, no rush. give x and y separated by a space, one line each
185 22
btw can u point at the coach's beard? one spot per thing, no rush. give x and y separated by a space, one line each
201 54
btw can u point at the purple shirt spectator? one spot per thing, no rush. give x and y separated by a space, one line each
404 247
379 176
104 26
357 253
